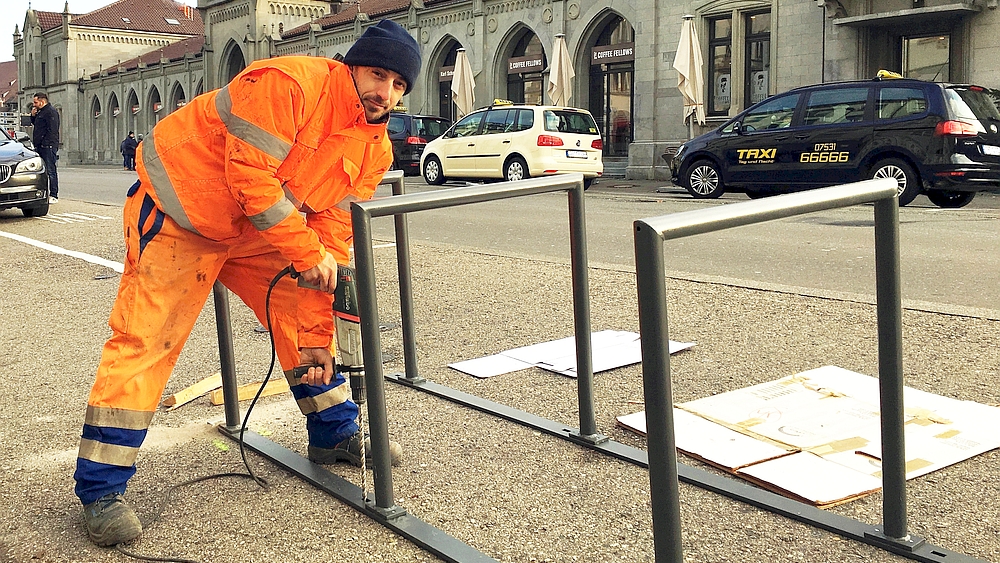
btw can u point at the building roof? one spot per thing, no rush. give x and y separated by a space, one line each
173 52
372 8
142 15
8 81
49 20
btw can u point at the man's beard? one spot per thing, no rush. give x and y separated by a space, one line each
378 118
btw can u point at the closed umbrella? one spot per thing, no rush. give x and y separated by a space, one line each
561 73
463 85
691 74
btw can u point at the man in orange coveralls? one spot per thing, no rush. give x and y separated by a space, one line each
235 186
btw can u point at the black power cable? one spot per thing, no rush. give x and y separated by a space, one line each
246 463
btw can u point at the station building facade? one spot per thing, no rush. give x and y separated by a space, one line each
107 75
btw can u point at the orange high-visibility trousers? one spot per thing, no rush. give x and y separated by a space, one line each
169 273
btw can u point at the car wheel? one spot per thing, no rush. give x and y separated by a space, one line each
703 180
515 169
432 171
907 183
37 211
587 182
949 199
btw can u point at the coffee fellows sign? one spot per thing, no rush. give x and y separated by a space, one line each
605 54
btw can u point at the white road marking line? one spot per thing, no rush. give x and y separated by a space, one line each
116 266
73 217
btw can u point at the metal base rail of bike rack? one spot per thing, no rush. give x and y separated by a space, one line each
738 490
395 518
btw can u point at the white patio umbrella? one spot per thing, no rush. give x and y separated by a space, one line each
691 74
561 73
463 85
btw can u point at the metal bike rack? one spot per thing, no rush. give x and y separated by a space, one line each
729 487
664 490
408 526
362 214
650 235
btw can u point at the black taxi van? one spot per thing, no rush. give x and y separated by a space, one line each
409 135
933 138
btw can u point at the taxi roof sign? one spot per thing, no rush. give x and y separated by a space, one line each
883 74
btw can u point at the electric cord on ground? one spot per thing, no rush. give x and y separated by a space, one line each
246 463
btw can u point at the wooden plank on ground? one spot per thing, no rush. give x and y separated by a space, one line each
245 392
192 392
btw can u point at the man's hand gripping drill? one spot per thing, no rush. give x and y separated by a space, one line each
317 364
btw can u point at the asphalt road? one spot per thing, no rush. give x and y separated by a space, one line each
948 259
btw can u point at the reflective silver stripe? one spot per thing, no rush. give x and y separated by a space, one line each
122 456
246 131
118 418
336 396
290 196
162 185
272 215
345 203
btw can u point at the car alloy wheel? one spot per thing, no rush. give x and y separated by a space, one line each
703 180
907 185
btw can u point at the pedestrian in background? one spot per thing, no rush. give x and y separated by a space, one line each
45 137
128 151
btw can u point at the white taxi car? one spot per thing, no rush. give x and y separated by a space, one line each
514 142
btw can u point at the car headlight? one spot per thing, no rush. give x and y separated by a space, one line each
31 165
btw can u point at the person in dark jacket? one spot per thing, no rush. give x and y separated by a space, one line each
128 151
45 137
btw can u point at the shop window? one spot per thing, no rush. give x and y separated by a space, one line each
757 78
720 48
927 58
748 35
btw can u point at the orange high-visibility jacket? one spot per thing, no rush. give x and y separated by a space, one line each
287 135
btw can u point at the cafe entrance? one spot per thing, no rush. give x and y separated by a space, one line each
612 75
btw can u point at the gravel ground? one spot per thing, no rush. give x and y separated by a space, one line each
511 492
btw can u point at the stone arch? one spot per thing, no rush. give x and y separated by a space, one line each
154 107
608 93
509 46
132 110
200 88
177 98
95 129
115 128
233 61
442 56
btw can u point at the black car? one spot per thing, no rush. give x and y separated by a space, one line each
938 139
23 180
409 135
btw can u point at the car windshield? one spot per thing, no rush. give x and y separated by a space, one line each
977 103
565 121
429 128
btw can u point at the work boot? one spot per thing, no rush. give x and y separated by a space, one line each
350 451
110 521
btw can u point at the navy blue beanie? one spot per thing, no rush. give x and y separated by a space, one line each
387 45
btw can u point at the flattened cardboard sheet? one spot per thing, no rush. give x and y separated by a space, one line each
828 420
610 349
